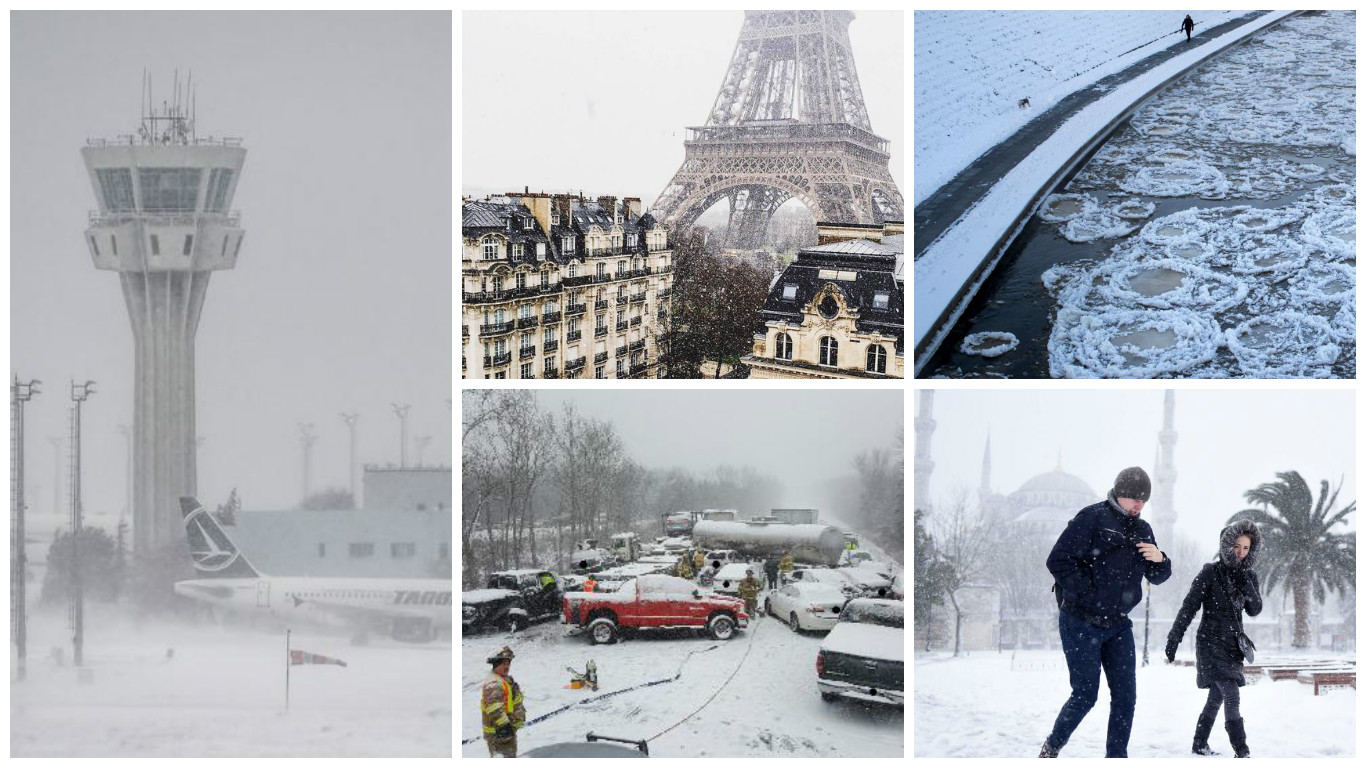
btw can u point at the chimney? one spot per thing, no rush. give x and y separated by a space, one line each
539 205
632 205
609 204
564 206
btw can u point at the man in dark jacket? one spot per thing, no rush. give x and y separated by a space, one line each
1098 565
1187 24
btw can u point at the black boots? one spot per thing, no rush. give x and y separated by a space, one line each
1237 737
1048 750
1202 728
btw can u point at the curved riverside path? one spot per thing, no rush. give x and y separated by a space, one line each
962 229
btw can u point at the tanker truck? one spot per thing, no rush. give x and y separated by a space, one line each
813 544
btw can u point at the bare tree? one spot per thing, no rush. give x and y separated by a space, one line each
963 542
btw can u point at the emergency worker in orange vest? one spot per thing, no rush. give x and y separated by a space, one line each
501 703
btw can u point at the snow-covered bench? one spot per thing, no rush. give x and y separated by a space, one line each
1328 679
1289 671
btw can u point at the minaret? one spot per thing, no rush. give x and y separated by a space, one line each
164 224
924 430
984 487
1164 474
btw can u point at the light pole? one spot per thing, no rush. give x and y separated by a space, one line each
56 443
401 411
307 437
79 394
351 418
20 393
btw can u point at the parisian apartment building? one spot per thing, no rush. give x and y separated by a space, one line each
836 311
562 286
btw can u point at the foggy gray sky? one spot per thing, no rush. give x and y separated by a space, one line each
599 101
803 437
1227 442
341 299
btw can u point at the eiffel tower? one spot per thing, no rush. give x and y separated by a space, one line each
788 122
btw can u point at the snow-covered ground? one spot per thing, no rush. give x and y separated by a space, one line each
950 262
1003 705
972 68
769 708
161 690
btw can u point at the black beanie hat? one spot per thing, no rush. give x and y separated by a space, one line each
1133 483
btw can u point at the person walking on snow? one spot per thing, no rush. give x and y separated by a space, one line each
1098 566
1224 589
749 592
1188 25
501 702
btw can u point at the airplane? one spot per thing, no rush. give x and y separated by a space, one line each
411 610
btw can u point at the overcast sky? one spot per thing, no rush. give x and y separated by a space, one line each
1227 442
341 299
803 437
599 101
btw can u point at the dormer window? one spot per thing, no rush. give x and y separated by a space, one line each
789 292
631 241
516 250
528 223
880 300
555 216
568 244
490 249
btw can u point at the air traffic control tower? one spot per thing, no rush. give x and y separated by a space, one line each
165 223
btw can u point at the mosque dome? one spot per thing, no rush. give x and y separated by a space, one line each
1051 498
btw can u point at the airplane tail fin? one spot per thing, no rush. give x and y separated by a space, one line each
213 552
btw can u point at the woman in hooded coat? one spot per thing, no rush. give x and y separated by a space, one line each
1223 589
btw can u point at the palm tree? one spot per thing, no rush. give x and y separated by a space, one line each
1298 545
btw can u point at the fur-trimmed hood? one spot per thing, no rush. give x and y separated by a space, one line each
1230 535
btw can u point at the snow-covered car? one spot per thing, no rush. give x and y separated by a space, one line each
855 557
675 544
591 560
806 605
863 657
654 601
727 580
724 557
512 601
899 587
873 582
593 746
835 577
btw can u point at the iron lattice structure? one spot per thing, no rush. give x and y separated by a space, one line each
789 122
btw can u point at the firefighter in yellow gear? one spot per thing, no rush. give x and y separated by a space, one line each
684 569
698 560
749 592
501 704
785 565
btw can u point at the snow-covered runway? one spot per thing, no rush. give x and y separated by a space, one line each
990 704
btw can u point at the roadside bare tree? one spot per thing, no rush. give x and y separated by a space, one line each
963 542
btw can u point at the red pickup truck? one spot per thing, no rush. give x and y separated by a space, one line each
653 601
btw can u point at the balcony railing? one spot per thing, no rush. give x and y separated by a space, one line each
550 345
637 345
574 365
570 282
665 293
485 297
639 368
600 304
635 321
551 373
495 329
574 335
621 301
600 331
637 298
621 351
493 361
526 352
576 309
640 272
528 322
550 317
599 358
548 288
621 325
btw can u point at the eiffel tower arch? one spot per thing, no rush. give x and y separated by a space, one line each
789 122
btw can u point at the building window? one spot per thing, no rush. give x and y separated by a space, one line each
189 245
573 270
526 371
550 363
490 249
877 359
621 268
880 300
621 368
540 250
555 216
497 283
784 347
219 181
117 186
361 549
156 246
630 241
169 189
516 250
602 269
568 244
528 223
94 245
521 280
114 244
789 291
830 351
600 372
402 550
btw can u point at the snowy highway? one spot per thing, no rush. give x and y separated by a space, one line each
769 708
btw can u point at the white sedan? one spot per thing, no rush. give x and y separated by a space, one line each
727 580
806 605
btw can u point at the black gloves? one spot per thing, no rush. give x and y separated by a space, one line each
504 731
1172 643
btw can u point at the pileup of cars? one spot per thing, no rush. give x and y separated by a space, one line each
628 588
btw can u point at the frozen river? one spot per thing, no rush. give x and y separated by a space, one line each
1213 235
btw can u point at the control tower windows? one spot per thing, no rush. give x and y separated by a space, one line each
169 190
116 184
189 245
220 179
156 246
